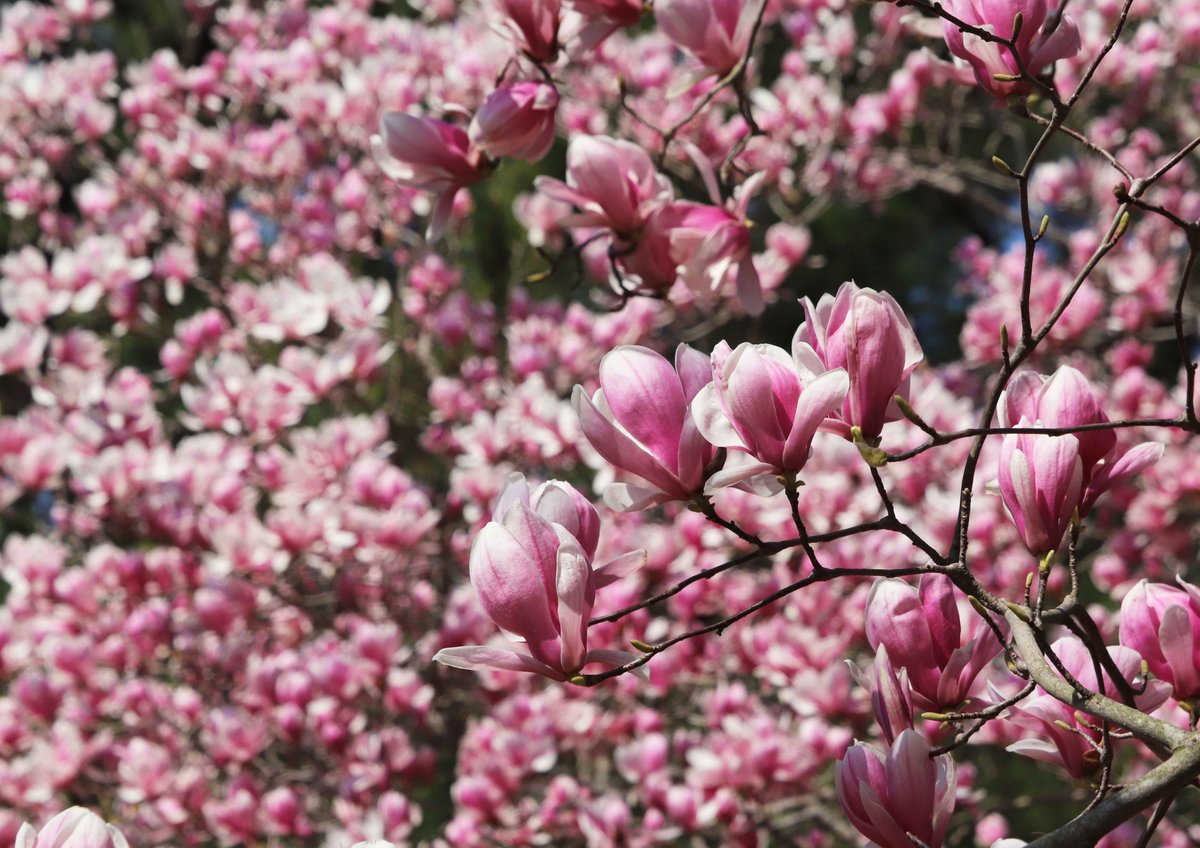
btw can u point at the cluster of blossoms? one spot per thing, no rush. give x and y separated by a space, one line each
254 426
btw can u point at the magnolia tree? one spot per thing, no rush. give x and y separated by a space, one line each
326 328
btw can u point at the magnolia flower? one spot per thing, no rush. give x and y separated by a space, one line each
1036 46
765 405
922 632
1045 480
1162 624
533 26
429 155
534 579
888 796
1058 733
613 185
640 420
866 333
516 121
75 827
717 32
589 22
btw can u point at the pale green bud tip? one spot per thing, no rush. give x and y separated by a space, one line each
579 680
1003 166
1122 225
875 457
1019 611
644 647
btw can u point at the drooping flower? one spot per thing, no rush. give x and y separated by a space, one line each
589 22
1036 45
1041 482
766 406
533 26
1066 399
429 155
1045 480
640 420
866 333
888 796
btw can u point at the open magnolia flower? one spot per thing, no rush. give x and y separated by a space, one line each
640 420
1046 480
535 580
766 406
428 155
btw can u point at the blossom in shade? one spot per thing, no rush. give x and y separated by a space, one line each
888 796
922 632
429 155
766 406
640 420
1162 624
1037 45
1058 733
516 121
867 333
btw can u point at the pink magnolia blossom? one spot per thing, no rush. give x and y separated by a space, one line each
1045 480
612 183
765 406
640 420
534 579
1058 733
429 155
533 26
516 121
891 694
1066 399
717 32
922 631
592 21
888 796
1036 47
76 827
865 332
1162 624
1041 482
